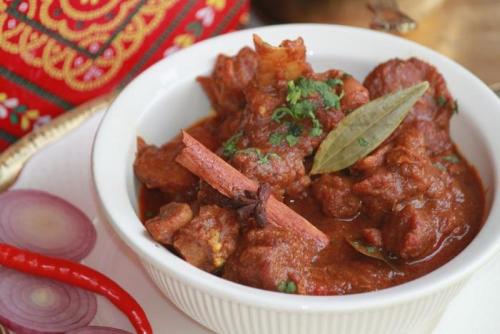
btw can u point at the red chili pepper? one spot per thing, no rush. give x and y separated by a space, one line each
78 275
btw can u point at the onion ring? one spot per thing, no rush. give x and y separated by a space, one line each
46 224
98 330
32 305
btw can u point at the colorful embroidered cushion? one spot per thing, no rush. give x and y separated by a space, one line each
57 54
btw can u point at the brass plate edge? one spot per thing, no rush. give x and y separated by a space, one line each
13 158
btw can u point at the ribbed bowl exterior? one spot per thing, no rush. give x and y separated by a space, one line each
235 317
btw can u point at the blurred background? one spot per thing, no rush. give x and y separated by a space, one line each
467 31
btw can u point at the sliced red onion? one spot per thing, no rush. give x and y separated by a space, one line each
98 330
46 224
32 305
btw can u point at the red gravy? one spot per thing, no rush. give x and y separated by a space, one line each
339 255
414 199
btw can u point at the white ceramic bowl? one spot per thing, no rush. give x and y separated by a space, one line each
166 98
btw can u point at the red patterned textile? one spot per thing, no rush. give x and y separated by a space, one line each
57 54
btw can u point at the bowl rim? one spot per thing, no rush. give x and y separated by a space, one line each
477 253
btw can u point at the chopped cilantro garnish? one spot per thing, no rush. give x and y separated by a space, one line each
294 129
362 142
309 87
334 82
292 140
291 136
302 110
299 110
441 100
276 138
298 107
455 107
281 112
316 130
229 147
451 158
263 157
288 286
294 93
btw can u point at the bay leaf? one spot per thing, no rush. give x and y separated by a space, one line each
364 129
371 251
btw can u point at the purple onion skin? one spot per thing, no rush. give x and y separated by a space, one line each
25 317
98 330
78 233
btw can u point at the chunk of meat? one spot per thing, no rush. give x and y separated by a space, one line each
282 63
432 111
208 195
208 240
374 160
346 278
437 140
410 233
380 192
373 236
407 172
225 87
355 94
268 256
436 104
285 173
155 168
172 217
334 192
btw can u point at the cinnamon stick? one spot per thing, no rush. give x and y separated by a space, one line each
230 182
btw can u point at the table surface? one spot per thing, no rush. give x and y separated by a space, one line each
467 31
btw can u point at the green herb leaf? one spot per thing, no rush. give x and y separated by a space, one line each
374 122
263 158
269 155
441 100
334 82
229 147
250 150
281 112
300 108
288 286
317 129
455 107
294 129
292 135
371 251
294 93
451 158
324 89
276 138
292 140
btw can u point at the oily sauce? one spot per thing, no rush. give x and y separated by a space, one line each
339 261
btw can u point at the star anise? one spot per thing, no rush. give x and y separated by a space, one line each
253 204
